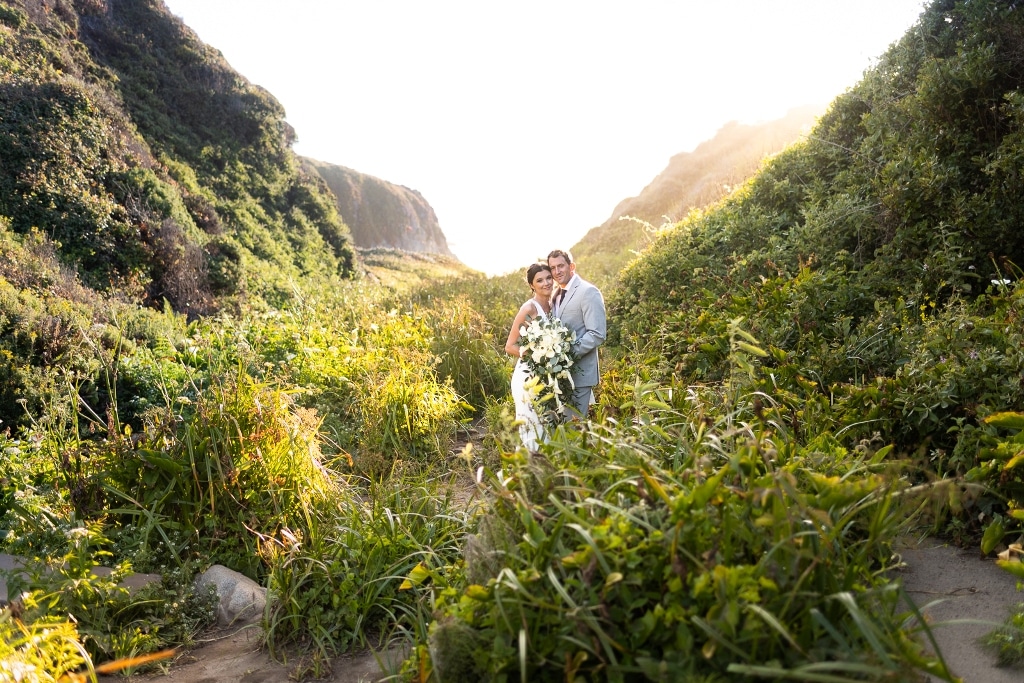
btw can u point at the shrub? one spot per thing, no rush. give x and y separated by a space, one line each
750 554
111 621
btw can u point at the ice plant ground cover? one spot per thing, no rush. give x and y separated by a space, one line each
547 353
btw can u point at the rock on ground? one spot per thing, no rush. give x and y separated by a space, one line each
240 599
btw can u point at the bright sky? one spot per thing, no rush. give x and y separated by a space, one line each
524 123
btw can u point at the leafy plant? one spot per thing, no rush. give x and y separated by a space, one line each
41 650
674 545
111 622
1008 640
342 582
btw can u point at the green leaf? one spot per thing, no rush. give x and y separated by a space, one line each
702 494
1015 568
417 576
993 535
1014 461
655 486
750 348
880 454
1006 420
157 460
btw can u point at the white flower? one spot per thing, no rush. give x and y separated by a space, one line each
547 353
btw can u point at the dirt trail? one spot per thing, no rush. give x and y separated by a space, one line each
234 656
960 585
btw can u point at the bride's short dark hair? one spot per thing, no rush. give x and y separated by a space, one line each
532 271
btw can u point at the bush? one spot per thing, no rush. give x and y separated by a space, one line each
679 547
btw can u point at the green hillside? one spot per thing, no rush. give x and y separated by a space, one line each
876 262
692 180
150 166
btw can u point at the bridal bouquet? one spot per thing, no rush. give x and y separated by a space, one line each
548 355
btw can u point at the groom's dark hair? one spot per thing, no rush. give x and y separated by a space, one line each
564 254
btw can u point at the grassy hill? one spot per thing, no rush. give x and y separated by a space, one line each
692 180
876 264
151 167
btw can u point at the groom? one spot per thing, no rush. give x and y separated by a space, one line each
580 306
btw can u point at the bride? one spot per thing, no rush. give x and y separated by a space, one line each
538 276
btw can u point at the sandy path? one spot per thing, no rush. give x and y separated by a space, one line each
235 656
962 586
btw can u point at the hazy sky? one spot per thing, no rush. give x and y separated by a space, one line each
525 123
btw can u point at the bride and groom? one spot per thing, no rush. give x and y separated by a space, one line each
558 292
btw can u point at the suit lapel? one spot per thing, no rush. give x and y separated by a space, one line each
567 297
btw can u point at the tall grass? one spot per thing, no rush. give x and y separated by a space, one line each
698 530
239 459
343 582
700 540
675 546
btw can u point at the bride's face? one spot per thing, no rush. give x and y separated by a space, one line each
543 282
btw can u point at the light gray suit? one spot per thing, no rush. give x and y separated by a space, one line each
582 310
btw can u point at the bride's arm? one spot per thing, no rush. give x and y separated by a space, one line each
512 343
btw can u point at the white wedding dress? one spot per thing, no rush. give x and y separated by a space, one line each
530 431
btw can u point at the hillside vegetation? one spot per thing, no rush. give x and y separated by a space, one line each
148 165
825 360
876 262
692 180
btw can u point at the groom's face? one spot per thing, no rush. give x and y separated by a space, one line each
561 269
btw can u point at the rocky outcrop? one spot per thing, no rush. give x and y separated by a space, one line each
382 214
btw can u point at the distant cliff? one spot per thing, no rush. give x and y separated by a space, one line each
382 214
691 180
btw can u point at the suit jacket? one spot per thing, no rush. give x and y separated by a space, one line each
582 310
